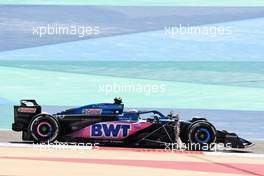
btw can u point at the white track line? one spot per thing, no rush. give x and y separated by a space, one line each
7 144
47 146
74 147
251 155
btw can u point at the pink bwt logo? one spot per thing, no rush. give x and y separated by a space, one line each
105 130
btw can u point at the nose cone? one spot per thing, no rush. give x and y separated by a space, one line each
236 142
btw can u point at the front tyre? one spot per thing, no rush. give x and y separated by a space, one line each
44 128
201 135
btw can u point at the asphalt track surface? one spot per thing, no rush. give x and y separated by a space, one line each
18 158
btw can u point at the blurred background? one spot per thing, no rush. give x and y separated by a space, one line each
197 58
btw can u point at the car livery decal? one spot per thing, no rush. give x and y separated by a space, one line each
110 130
92 111
27 110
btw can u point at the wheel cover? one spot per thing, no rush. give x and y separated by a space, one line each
202 135
44 128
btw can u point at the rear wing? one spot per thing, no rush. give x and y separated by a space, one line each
23 114
25 103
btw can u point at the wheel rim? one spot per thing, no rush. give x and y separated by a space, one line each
202 133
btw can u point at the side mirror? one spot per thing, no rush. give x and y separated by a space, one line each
156 118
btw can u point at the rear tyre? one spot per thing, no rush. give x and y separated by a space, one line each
201 135
44 128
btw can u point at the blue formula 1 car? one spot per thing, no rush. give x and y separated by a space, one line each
108 123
